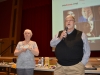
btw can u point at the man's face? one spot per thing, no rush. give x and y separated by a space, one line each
86 12
70 22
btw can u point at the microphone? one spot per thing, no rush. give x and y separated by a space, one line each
66 28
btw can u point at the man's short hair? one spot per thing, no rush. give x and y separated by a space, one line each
70 16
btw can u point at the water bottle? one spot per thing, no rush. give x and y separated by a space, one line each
42 61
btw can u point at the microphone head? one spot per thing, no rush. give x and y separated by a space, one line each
66 28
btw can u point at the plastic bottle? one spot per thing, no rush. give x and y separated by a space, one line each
42 61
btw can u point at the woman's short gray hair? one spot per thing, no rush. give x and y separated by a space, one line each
28 30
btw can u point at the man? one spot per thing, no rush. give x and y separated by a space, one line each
72 50
87 15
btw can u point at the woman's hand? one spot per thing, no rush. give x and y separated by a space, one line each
18 52
23 49
30 48
35 51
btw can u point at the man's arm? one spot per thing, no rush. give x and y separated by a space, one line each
86 49
62 34
55 41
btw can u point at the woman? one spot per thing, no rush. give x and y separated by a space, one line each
25 51
88 29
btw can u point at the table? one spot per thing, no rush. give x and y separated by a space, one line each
5 68
42 71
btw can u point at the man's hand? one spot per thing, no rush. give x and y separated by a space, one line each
63 34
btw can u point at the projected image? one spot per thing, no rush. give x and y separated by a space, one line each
87 28
86 14
71 12
87 20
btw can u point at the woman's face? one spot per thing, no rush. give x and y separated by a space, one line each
27 35
88 27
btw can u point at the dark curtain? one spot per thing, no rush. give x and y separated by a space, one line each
5 18
37 16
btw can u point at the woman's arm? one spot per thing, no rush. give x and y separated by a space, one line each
35 51
18 52
34 48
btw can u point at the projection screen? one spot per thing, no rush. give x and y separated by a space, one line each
86 13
